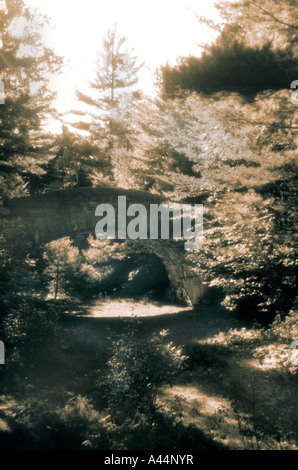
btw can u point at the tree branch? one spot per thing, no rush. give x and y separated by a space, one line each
272 16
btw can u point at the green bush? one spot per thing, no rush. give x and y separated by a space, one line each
137 369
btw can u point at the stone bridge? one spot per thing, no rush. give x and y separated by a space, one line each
67 213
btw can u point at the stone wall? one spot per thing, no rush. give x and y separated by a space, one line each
51 216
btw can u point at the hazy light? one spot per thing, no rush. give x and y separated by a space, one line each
131 309
158 30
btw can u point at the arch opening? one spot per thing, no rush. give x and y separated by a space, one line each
90 269
141 275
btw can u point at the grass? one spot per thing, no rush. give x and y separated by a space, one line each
54 394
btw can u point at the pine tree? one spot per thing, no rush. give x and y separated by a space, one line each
116 69
255 52
25 69
113 106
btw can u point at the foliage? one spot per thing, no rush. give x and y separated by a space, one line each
285 330
116 68
137 369
255 50
232 67
231 145
269 347
74 162
63 261
112 103
65 425
246 256
248 186
13 248
26 67
257 23
29 322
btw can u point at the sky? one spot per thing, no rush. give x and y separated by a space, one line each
159 31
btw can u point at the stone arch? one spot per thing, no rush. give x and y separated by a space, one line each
59 214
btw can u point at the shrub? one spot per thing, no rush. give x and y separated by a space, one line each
137 369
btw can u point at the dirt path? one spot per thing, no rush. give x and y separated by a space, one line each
72 365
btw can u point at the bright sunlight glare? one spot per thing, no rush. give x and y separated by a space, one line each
159 31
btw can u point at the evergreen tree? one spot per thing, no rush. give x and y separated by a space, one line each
25 69
74 162
255 51
116 69
112 99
